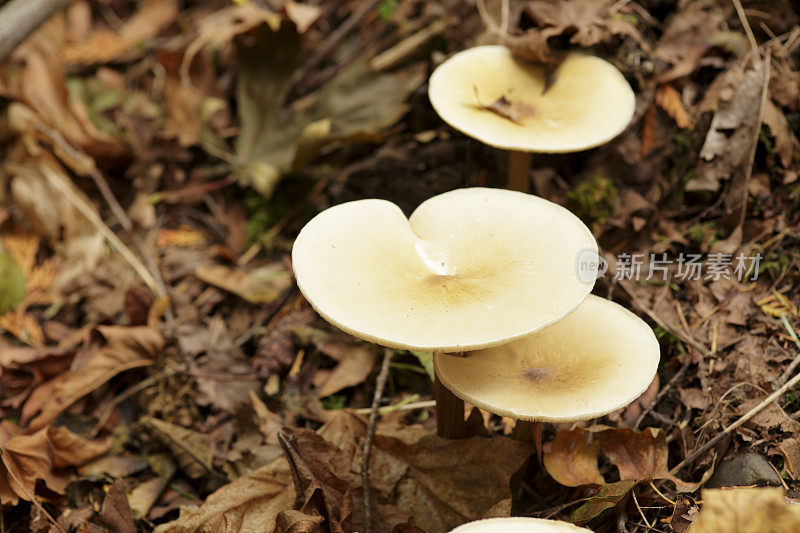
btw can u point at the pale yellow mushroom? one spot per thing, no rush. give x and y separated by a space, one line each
519 525
489 95
598 359
470 268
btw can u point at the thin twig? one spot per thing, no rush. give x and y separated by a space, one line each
380 383
747 29
20 18
638 508
34 501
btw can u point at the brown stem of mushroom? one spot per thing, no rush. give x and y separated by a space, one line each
450 422
519 170
529 432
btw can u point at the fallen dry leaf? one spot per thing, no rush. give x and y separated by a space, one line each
727 150
151 18
355 361
36 279
52 216
251 503
746 510
669 99
587 22
220 27
513 111
684 514
649 130
786 144
321 480
28 458
116 513
222 370
113 349
444 483
38 80
640 455
190 448
144 495
687 37
637 455
354 367
255 285
572 461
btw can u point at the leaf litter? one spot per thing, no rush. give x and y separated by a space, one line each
202 138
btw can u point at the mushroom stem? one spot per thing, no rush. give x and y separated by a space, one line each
519 170
449 412
529 432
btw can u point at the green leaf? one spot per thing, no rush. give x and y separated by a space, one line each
12 283
606 497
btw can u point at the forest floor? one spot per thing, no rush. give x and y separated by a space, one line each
160 370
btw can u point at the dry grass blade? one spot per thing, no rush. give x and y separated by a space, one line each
89 212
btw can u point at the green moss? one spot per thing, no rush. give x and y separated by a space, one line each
334 402
704 233
386 9
593 199
260 215
765 138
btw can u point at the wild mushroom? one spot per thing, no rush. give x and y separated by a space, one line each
596 360
489 95
518 524
471 268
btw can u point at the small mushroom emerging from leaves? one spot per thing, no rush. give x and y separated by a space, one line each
598 359
471 268
519 525
489 95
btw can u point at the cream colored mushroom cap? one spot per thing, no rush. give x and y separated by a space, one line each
598 359
589 103
470 268
517 524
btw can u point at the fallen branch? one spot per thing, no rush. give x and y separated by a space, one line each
20 18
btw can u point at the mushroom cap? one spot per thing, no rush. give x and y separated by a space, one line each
470 268
589 103
518 524
598 359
